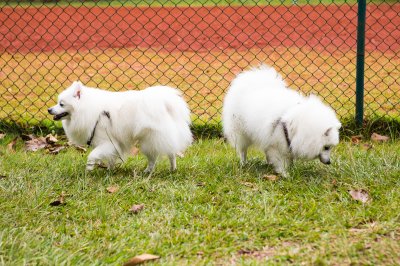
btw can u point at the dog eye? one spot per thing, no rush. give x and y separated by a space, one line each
327 148
61 104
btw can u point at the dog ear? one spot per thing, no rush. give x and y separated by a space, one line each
327 131
77 89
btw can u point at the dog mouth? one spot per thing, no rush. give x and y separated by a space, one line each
59 116
324 160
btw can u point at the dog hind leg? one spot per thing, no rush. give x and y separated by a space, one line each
172 161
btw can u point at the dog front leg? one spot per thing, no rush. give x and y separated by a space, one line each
279 161
105 152
152 162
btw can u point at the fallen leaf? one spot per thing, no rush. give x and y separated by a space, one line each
366 146
59 201
11 145
112 189
360 195
247 184
35 144
379 138
56 149
200 184
2 135
356 139
80 148
180 154
136 208
134 151
141 259
26 137
51 139
271 177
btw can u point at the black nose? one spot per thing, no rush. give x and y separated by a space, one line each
328 162
49 110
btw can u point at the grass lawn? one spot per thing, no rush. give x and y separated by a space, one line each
210 211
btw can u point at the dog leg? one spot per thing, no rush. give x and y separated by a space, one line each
279 162
242 144
105 152
242 152
151 163
172 161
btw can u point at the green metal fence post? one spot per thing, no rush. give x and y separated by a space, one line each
362 6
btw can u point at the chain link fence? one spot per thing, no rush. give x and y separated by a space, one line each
196 46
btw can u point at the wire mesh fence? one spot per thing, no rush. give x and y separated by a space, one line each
196 46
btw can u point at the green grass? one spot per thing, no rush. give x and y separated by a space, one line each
210 211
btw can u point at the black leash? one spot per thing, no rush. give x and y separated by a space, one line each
89 142
285 131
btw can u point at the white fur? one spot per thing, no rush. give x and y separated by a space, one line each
256 107
157 119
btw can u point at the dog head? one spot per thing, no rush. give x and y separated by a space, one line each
67 102
314 130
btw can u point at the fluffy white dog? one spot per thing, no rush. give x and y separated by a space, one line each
157 119
260 109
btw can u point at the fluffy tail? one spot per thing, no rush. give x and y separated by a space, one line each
262 77
179 111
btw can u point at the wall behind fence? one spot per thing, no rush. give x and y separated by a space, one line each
198 48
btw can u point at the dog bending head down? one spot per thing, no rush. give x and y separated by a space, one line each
259 109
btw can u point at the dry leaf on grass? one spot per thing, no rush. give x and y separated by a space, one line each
271 177
136 208
180 154
379 138
141 259
201 184
79 148
356 139
35 144
112 189
51 139
2 135
366 146
60 201
11 145
26 137
247 184
360 195
134 151
55 149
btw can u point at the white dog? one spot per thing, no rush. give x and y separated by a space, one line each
156 118
260 109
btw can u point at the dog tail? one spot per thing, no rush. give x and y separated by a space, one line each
261 77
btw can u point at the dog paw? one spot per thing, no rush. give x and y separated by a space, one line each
89 167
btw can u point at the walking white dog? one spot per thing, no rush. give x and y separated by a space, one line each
157 119
260 109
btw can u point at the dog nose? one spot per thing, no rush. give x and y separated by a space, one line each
328 162
49 110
